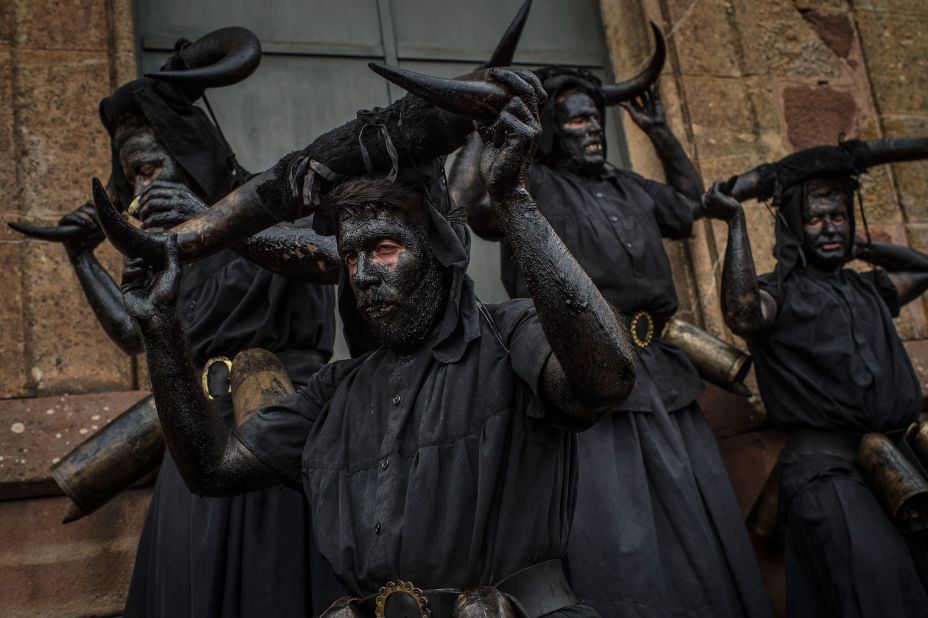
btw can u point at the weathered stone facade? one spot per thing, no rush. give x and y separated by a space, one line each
747 81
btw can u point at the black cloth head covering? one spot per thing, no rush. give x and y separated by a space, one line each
556 81
449 240
792 175
182 128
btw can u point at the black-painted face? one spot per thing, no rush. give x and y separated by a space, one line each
144 159
580 145
396 279
826 228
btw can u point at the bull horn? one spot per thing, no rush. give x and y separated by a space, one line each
636 86
475 99
59 233
506 48
220 58
127 239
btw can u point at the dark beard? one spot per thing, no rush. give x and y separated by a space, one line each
570 154
415 317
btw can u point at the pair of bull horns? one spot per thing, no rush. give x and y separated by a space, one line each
760 182
221 58
473 96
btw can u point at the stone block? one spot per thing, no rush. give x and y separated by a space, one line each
8 184
835 29
79 569
6 22
13 381
879 196
75 25
706 39
909 7
35 433
911 178
67 349
62 141
778 42
123 49
819 114
896 49
821 5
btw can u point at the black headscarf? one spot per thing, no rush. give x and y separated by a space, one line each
557 81
792 176
182 128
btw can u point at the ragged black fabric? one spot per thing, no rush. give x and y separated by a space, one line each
832 358
613 226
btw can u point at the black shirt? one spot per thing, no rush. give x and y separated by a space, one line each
441 467
613 226
227 304
832 358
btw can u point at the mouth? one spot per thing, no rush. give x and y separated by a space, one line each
830 246
378 310
594 148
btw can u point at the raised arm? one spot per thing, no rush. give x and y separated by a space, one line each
592 367
210 458
908 268
647 111
101 291
747 309
468 189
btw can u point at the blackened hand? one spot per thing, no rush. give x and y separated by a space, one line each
86 218
150 290
509 142
647 110
719 205
166 204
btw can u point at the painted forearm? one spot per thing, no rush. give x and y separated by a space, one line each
590 344
210 459
468 190
679 170
742 305
295 252
106 302
893 258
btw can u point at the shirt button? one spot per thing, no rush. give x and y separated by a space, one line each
377 529
599 194
613 218
396 400
385 463
629 245
191 305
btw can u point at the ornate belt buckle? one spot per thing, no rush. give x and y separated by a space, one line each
641 328
391 588
204 375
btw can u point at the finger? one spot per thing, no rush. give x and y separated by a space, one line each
540 95
163 221
164 194
167 184
514 84
156 207
514 126
520 110
499 131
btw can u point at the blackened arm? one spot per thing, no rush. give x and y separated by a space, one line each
908 268
211 460
747 308
295 252
106 301
592 369
468 190
679 170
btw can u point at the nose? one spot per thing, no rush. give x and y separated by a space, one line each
828 226
595 126
365 274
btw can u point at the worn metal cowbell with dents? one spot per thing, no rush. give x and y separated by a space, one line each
898 483
717 361
258 379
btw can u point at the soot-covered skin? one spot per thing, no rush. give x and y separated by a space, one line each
826 229
395 278
592 368
579 146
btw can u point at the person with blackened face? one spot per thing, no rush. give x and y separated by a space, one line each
830 368
657 529
440 460
243 556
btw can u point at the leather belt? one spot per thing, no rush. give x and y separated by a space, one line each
538 590
823 442
643 327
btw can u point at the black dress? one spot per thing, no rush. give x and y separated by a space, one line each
833 361
249 555
657 530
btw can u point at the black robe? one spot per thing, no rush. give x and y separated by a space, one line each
657 530
248 555
833 361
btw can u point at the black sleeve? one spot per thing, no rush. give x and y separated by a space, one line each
521 331
672 210
277 434
885 287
